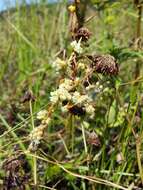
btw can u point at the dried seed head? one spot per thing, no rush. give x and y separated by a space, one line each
93 139
12 164
27 97
105 64
15 178
83 34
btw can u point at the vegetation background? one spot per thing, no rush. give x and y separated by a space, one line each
30 37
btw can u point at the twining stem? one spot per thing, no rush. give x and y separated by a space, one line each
34 158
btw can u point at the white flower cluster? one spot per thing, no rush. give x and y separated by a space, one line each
84 101
38 132
43 116
75 98
59 64
77 46
62 93
97 87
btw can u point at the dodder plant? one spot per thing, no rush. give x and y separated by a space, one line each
78 89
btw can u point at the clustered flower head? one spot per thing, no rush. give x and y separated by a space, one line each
76 90
59 64
72 100
37 133
62 93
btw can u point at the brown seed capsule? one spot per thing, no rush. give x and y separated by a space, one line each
105 64
83 34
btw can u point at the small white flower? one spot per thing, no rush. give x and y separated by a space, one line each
37 133
63 94
77 46
67 84
77 81
54 97
64 109
106 89
58 64
47 121
101 87
34 145
42 114
81 66
90 87
90 109
97 83
77 98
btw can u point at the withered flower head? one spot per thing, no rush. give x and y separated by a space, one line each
15 178
93 139
27 97
83 34
105 64
12 164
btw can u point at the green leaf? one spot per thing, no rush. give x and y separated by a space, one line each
112 113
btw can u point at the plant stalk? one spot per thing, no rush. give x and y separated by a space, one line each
34 158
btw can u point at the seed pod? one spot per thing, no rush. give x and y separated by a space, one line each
105 64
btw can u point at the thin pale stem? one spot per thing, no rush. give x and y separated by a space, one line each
138 145
64 143
72 133
84 139
34 158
